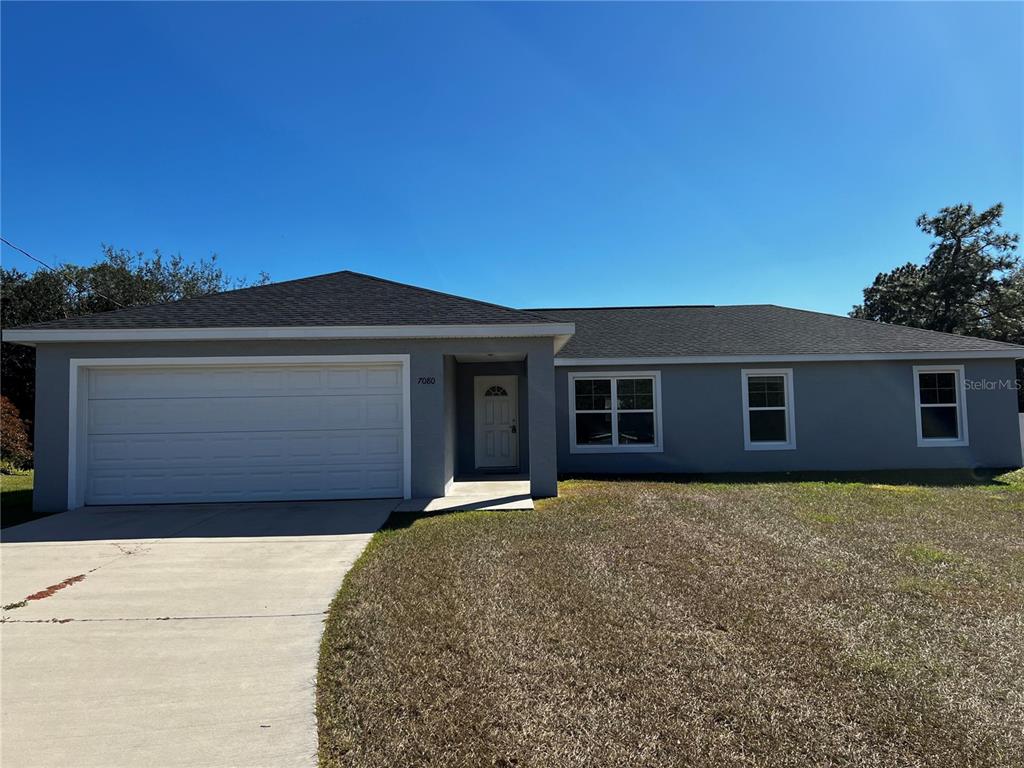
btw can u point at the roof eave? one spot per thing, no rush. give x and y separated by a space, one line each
33 336
810 357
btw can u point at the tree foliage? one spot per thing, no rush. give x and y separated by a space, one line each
971 283
121 278
15 450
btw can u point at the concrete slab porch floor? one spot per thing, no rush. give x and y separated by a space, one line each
477 493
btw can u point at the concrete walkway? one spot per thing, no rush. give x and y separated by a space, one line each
171 635
485 494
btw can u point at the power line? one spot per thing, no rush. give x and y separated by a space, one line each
7 242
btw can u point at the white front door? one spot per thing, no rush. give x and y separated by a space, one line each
497 415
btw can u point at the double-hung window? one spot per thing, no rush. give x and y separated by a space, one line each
768 416
615 412
939 400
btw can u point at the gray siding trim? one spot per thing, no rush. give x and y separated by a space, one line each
849 416
810 357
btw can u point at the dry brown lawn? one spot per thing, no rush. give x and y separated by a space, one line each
688 624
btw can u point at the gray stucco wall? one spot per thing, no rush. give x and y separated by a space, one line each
849 416
432 453
466 434
450 412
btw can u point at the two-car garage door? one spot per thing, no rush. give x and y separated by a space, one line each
242 433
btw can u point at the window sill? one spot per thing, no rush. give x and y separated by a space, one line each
615 449
770 447
941 443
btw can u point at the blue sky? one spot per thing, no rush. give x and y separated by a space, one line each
531 155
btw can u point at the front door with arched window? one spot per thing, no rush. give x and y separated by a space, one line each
496 419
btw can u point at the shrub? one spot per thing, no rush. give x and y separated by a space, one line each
14 446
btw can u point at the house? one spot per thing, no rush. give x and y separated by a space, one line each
350 386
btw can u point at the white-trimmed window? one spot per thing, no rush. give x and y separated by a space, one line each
769 423
615 412
939 398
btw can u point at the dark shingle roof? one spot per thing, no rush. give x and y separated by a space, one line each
756 329
339 298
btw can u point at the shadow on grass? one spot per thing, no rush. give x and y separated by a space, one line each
400 520
16 508
926 477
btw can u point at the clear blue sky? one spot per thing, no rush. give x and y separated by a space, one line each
532 155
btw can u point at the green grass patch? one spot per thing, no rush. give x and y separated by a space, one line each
923 553
818 516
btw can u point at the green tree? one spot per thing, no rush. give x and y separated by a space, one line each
121 278
971 282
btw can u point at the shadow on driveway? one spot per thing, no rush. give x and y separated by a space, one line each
185 521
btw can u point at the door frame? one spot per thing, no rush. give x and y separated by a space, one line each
78 394
480 384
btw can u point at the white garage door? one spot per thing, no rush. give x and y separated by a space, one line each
190 434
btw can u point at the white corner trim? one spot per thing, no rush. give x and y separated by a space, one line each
77 413
961 407
1020 417
659 439
496 330
787 377
563 362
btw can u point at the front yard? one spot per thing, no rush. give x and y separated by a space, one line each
696 624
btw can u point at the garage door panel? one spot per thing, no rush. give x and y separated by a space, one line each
288 449
381 379
252 414
167 485
277 433
234 381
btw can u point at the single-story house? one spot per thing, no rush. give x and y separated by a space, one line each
350 386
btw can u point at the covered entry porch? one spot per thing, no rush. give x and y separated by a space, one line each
499 416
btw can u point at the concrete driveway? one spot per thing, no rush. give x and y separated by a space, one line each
171 635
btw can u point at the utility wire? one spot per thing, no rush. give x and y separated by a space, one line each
7 242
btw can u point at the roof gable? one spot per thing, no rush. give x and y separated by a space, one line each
336 299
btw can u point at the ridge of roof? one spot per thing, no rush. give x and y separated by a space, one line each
638 306
386 281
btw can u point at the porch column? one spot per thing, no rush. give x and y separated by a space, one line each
540 382
428 423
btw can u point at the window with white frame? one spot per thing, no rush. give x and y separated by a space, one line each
939 400
768 413
615 412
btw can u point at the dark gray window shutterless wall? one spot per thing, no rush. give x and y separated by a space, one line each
847 415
